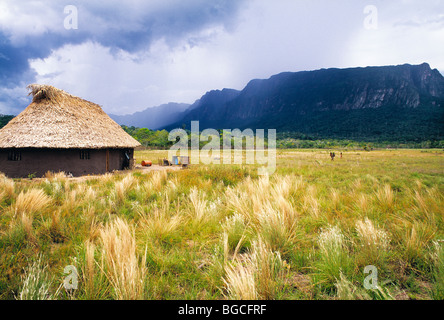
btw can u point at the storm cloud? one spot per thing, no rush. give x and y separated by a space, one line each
33 30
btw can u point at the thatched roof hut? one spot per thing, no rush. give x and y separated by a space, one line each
58 120
54 128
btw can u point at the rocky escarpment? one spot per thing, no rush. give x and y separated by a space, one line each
351 103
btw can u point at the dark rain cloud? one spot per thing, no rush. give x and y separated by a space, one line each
131 26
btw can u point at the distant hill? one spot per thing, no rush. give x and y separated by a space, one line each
153 118
4 119
375 103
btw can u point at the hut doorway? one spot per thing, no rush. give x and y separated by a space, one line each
126 159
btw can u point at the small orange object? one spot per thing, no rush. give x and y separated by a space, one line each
146 163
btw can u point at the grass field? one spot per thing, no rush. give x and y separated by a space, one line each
222 232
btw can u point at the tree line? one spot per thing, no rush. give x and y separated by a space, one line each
288 140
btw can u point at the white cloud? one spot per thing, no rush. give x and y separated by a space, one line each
409 33
124 83
22 19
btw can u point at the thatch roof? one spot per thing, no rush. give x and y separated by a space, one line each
58 120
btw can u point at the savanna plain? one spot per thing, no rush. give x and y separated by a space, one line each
223 232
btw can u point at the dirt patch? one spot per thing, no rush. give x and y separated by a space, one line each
302 283
139 168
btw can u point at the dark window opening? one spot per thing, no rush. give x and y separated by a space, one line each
84 155
14 156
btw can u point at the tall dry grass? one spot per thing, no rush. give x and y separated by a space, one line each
123 186
199 205
6 187
86 193
60 176
124 268
363 203
256 275
267 207
372 236
26 221
332 259
90 269
335 198
415 238
240 281
426 204
72 199
437 263
160 225
269 269
311 203
331 243
277 229
157 180
373 242
346 290
237 233
31 201
202 211
386 198
94 283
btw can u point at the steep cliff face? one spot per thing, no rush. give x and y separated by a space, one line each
329 102
210 105
338 89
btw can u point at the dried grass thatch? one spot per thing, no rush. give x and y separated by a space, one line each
58 120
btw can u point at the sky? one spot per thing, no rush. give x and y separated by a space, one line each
131 55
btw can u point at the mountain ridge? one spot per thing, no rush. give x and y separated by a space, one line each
152 118
400 101
341 103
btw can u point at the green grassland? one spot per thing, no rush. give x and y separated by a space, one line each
224 232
